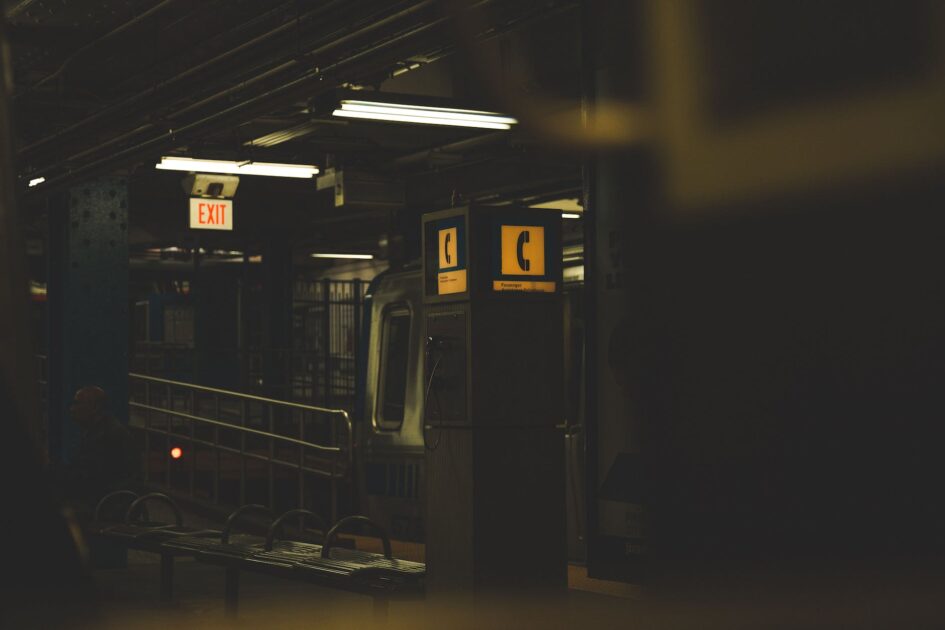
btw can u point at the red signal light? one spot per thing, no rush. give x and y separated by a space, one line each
176 452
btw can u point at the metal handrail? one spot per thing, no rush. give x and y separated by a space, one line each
236 427
244 399
226 392
282 403
251 455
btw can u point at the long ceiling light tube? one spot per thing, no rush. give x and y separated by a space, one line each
228 167
432 112
355 256
424 115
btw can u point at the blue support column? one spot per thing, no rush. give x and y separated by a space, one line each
88 303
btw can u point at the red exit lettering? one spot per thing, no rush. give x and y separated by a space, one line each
211 213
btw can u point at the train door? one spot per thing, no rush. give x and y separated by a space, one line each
391 481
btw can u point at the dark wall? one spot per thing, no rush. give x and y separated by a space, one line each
216 313
767 356
790 380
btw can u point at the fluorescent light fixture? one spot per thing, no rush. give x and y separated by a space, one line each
423 115
570 215
576 249
564 205
37 181
229 167
283 135
357 256
573 273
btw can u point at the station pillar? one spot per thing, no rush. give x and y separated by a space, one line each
493 412
88 304
620 201
88 315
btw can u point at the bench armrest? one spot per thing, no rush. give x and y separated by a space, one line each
97 514
231 519
333 532
138 504
276 526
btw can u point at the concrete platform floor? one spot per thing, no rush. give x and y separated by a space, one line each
128 599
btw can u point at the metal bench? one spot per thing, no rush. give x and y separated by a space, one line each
330 564
99 523
282 555
229 551
150 535
383 577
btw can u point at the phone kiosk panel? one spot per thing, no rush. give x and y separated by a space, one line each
493 406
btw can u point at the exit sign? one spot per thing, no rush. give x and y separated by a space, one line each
211 214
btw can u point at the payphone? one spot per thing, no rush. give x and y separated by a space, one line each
493 408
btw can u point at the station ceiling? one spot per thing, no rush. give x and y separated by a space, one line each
110 86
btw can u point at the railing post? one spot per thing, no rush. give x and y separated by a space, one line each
333 440
193 443
167 438
216 453
302 461
147 432
356 332
244 413
272 454
326 296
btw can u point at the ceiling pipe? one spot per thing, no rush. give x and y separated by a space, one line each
117 140
453 147
112 111
283 93
292 89
93 44
240 86
399 162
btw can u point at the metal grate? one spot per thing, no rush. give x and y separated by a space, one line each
326 335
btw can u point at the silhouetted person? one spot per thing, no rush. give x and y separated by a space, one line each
108 457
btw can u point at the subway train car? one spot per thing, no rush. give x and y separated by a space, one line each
391 479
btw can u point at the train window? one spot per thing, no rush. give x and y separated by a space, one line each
393 389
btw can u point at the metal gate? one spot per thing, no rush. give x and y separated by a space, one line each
318 369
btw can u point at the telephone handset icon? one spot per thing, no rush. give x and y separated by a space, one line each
446 248
523 262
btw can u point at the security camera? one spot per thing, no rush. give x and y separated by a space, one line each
210 185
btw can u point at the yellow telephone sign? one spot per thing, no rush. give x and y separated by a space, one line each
522 254
450 281
523 250
448 255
